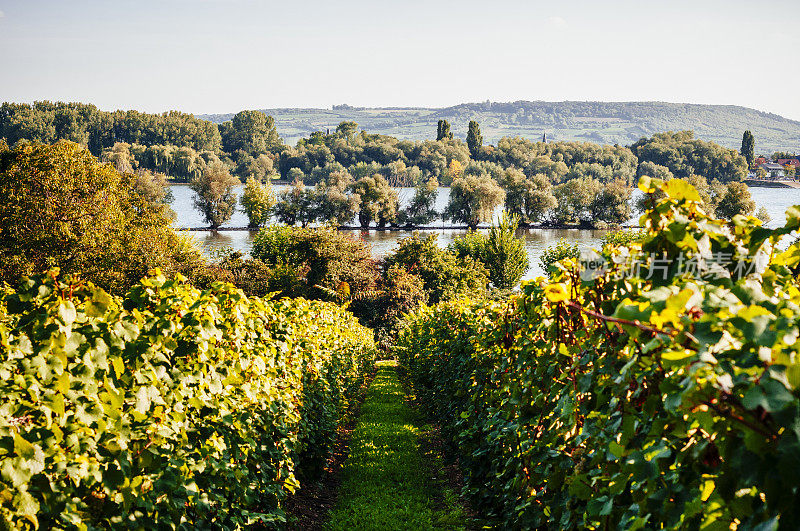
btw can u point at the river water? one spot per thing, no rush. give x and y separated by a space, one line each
776 201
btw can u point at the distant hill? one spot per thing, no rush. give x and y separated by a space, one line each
594 121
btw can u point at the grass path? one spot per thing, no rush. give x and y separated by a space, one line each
385 481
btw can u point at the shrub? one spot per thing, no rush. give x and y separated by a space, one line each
399 293
168 408
444 275
555 253
505 256
500 251
63 208
619 238
321 260
629 400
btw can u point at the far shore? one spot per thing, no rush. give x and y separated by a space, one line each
412 229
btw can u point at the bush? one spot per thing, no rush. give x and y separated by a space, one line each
63 208
500 251
619 238
444 275
168 408
627 402
316 263
555 253
399 293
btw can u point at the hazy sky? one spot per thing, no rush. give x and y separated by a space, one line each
214 56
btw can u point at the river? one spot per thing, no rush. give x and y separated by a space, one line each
776 201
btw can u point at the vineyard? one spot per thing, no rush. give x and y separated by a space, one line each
168 408
650 384
655 396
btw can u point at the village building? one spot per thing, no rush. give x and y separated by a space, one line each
774 170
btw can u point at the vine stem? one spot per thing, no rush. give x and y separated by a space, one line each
637 324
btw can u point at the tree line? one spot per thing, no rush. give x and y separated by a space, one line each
353 173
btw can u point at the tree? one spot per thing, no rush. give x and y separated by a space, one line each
333 201
421 209
153 189
250 131
576 198
474 139
781 155
653 170
259 167
347 130
736 199
443 131
214 194
296 204
748 147
613 204
63 208
378 201
529 199
684 155
258 202
763 215
473 199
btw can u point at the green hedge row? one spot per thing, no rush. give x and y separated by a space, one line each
616 400
168 408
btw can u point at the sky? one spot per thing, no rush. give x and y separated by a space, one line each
220 56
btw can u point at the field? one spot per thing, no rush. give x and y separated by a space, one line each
602 122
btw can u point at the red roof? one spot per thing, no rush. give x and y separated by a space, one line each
791 162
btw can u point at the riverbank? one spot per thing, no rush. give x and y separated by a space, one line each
415 228
758 183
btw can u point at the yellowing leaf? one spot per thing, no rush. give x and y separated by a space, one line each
119 366
676 355
556 293
680 189
708 488
22 447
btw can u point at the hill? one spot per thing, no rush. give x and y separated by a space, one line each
603 122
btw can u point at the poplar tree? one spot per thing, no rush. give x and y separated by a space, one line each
443 131
748 147
474 139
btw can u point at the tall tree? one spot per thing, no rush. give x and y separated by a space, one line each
258 201
474 139
348 130
443 131
735 199
377 200
422 208
250 131
473 199
748 147
214 195
333 202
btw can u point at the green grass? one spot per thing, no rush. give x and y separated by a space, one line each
386 483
